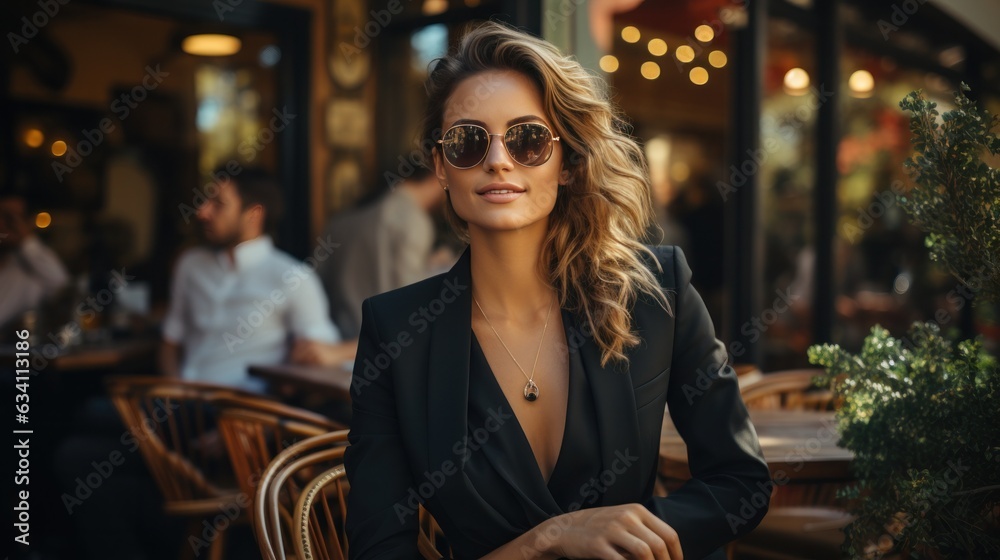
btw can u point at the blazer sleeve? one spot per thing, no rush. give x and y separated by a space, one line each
730 488
381 522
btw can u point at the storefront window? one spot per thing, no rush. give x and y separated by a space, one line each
883 271
791 100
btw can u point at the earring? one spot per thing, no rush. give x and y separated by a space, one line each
445 187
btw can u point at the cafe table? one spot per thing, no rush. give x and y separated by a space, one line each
103 357
328 381
801 449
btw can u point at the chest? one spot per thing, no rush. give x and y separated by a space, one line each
512 361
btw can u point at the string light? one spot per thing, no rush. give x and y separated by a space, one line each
609 63
684 53
717 59
650 70
704 33
698 76
657 47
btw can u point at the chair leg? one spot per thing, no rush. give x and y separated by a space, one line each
218 549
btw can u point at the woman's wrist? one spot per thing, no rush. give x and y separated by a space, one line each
545 539
537 543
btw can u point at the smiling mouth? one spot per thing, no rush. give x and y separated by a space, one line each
500 191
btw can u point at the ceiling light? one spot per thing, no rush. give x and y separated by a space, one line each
211 44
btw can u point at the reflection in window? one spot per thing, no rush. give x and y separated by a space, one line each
227 118
787 154
403 100
883 271
427 44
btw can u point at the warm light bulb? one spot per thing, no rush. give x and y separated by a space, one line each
211 44
434 7
33 137
43 220
650 70
657 47
704 33
717 59
684 53
796 81
861 83
698 75
58 148
609 63
631 34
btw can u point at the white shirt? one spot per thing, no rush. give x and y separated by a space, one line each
228 315
27 277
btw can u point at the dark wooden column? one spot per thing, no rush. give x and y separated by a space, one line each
828 47
743 253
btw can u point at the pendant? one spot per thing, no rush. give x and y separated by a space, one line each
530 390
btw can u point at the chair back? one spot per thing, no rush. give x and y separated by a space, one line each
787 390
173 423
256 430
301 504
280 486
320 511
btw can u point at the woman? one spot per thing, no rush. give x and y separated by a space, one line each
520 395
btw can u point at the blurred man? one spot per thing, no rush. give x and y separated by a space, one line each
238 300
30 272
383 245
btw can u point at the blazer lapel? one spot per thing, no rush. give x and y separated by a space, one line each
448 406
448 368
618 424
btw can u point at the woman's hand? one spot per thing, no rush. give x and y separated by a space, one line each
627 531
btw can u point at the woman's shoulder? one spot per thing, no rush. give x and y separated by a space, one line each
673 269
402 302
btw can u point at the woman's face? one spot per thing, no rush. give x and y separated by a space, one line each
495 100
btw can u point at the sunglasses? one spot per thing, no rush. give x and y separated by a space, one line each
466 145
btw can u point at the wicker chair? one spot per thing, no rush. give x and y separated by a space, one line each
787 390
281 484
173 423
302 499
256 430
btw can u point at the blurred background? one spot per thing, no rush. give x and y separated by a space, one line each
773 190
772 129
714 89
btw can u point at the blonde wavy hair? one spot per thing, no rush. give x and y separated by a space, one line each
591 254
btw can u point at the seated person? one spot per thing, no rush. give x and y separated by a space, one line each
382 245
30 272
238 300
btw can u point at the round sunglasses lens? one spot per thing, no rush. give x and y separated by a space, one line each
529 144
465 146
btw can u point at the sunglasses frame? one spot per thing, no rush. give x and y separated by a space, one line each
489 142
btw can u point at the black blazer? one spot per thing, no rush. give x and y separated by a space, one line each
410 402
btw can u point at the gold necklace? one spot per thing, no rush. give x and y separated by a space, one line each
530 388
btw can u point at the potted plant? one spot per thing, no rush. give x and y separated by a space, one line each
922 413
